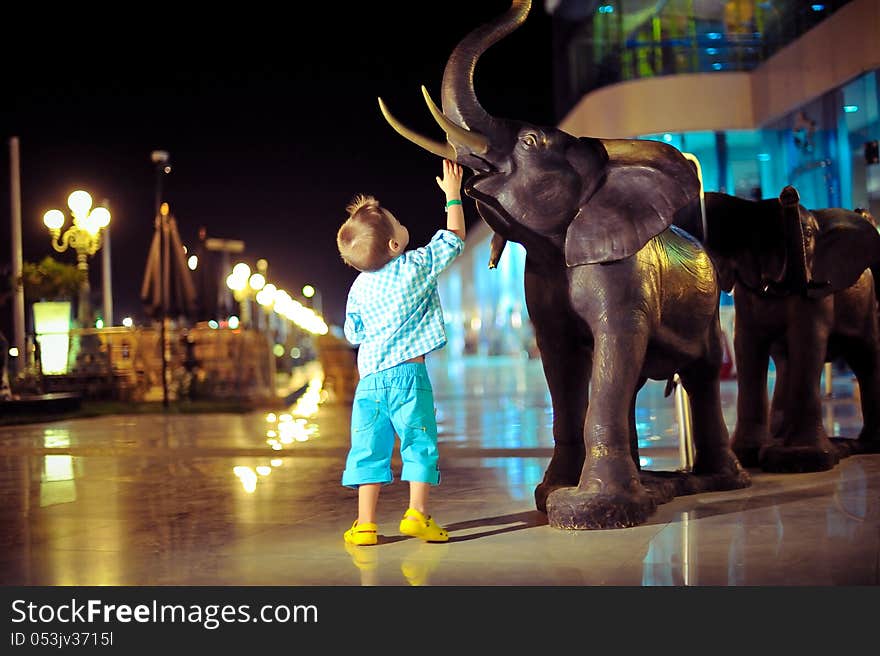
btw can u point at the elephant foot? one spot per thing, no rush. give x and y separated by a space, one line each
664 486
868 445
746 445
724 471
846 447
719 481
748 455
798 459
563 471
544 490
546 487
869 440
577 509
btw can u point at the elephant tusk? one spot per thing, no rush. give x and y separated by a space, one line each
476 142
444 150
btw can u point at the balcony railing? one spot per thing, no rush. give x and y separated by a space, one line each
610 47
126 364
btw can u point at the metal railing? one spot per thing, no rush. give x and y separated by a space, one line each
683 37
126 364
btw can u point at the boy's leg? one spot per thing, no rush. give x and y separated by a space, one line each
418 496
368 464
368 499
412 415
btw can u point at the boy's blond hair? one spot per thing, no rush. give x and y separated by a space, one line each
363 238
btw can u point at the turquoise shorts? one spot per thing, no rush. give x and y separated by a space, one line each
398 401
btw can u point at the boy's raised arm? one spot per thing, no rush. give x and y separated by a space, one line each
451 186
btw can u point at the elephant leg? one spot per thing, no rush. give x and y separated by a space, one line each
752 358
803 444
567 360
713 455
567 371
610 493
777 403
864 360
633 433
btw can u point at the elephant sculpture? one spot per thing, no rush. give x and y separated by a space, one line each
804 294
616 293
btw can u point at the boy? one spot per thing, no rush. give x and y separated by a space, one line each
393 312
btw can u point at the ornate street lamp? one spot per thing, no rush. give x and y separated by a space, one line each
238 284
317 303
84 236
245 286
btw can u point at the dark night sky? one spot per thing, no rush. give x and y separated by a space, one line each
272 125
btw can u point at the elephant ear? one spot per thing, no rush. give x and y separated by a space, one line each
846 245
646 183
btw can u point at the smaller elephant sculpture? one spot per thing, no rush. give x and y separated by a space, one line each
804 294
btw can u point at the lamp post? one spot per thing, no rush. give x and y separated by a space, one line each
107 274
84 236
317 303
160 158
238 283
266 299
245 286
256 283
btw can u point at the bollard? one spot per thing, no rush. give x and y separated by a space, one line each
829 380
685 425
339 362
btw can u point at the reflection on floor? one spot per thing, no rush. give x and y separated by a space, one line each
257 500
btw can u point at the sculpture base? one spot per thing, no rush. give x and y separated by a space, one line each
573 509
797 459
791 460
846 447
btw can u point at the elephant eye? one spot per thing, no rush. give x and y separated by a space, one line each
529 140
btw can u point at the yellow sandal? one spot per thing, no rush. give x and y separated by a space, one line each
417 525
361 534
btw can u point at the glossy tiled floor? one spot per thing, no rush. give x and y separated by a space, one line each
242 500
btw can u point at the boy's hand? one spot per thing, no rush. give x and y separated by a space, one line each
451 186
451 182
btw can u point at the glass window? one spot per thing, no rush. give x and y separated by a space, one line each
609 42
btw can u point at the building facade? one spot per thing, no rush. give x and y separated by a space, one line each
763 93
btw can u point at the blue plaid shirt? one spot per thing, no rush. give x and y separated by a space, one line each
394 313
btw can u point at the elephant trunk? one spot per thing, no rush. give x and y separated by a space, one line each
462 118
795 273
458 97
496 248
